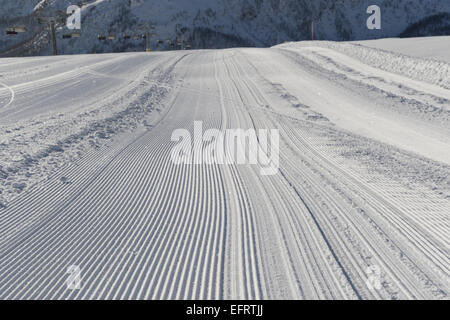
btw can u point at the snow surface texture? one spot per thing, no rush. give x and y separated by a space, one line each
208 23
86 178
430 48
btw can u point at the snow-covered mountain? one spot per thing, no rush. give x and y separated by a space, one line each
211 23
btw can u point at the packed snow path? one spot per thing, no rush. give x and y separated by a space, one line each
362 185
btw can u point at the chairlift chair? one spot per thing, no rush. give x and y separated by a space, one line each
20 29
101 38
10 32
15 30
111 37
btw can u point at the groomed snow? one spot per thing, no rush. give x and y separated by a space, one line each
86 177
437 48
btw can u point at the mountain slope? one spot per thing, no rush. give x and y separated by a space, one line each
212 24
437 25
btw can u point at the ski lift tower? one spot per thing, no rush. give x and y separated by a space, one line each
52 21
147 28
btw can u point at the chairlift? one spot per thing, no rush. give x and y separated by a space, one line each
59 19
160 41
76 35
101 38
67 36
20 29
126 36
111 37
15 30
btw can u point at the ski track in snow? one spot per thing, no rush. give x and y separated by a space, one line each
141 227
13 93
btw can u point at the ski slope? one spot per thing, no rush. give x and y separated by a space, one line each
437 48
87 179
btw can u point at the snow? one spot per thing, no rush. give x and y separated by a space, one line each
437 48
377 119
86 177
432 71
